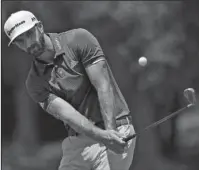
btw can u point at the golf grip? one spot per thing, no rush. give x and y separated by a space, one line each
130 137
157 123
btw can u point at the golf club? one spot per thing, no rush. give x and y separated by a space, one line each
189 94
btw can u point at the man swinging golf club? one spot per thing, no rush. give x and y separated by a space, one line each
71 80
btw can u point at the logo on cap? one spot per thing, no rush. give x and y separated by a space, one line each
33 19
15 26
18 23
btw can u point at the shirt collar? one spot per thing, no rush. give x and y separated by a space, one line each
56 43
41 66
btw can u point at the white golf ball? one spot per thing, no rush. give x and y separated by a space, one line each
142 61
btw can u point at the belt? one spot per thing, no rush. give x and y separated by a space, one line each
124 120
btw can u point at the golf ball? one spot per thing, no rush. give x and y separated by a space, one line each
142 61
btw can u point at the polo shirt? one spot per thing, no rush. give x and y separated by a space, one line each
66 77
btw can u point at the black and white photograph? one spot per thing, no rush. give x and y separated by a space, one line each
99 85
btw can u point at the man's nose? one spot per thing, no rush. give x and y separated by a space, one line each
28 43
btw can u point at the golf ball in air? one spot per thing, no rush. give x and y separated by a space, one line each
142 61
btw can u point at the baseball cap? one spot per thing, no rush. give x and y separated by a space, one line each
18 23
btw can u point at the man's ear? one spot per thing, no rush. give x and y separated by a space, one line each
40 27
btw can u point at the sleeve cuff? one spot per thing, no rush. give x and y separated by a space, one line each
93 61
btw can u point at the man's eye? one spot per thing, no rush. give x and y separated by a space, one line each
28 33
19 41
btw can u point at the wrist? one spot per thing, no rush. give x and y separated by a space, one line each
110 127
101 135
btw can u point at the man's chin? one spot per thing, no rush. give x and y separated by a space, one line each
37 53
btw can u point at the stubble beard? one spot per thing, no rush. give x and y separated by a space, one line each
39 47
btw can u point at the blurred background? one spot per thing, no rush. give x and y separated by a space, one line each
166 33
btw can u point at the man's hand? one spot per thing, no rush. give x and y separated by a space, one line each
113 140
62 110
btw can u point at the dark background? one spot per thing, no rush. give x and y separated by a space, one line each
167 33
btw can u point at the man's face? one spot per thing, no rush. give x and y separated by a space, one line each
31 41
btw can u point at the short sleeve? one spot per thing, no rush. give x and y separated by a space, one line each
36 90
39 94
88 47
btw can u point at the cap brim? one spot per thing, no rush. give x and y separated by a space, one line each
21 31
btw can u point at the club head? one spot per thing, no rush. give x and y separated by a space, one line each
189 93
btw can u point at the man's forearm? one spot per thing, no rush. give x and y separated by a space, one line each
83 126
107 106
65 112
101 77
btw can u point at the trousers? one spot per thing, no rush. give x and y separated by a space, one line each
83 153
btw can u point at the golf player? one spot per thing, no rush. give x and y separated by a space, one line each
71 80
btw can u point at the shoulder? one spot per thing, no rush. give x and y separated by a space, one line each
83 33
31 80
77 38
77 34
35 85
77 31
29 83
30 77
74 32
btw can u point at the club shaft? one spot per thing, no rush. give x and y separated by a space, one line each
157 123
